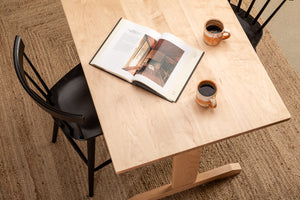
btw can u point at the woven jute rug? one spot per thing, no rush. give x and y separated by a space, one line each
31 167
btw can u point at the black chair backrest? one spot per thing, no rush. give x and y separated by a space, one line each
42 100
238 7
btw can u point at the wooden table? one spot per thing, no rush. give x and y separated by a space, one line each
141 128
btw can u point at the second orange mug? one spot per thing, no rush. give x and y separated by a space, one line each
214 32
206 94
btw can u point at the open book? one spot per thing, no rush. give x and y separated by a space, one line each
161 63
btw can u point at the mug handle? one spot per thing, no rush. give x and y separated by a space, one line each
213 102
226 34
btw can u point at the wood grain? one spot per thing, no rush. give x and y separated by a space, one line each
202 178
31 167
147 128
185 168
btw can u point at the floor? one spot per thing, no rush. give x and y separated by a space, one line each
285 28
31 167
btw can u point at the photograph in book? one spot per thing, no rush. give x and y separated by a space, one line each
160 62
136 62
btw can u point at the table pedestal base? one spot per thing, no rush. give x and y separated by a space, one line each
186 176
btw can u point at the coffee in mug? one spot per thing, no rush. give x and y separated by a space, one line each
206 94
214 32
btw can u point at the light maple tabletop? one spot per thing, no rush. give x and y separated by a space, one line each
140 127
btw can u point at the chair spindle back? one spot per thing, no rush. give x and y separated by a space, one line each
238 7
23 76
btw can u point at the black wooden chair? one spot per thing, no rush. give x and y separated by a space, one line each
252 28
70 104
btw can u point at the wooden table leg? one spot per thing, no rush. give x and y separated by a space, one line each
185 175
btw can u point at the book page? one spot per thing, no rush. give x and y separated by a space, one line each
124 49
168 66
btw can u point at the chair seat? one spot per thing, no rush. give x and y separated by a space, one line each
71 94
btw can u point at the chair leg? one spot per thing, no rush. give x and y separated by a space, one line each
55 131
91 164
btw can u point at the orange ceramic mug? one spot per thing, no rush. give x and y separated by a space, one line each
206 94
214 32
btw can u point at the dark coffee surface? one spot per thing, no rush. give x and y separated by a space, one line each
207 90
214 29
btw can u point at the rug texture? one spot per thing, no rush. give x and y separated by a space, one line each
31 167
